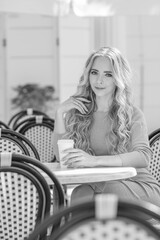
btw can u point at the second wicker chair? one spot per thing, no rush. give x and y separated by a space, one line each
39 130
11 141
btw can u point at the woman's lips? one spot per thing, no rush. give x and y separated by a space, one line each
99 88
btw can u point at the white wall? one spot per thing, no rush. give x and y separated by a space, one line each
138 39
3 87
30 55
143 48
76 43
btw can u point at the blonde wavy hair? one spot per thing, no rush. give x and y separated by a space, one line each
120 113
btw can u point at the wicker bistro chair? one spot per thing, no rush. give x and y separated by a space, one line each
24 198
24 114
23 202
104 218
39 130
11 141
56 192
154 165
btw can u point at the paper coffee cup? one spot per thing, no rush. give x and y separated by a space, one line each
62 145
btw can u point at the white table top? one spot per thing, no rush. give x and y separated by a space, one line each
88 175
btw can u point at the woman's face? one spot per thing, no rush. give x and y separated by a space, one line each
101 77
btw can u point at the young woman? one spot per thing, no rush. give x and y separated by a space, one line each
108 130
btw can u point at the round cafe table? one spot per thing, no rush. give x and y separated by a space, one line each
88 175
70 178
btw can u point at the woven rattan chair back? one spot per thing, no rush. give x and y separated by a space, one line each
11 141
103 218
39 130
154 164
22 115
56 190
23 199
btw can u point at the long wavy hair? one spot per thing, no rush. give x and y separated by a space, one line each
120 112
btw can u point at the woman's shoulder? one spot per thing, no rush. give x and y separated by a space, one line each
138 114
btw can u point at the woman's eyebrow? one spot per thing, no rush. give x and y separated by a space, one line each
107 71
94 69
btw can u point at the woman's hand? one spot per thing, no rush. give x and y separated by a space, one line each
71 103
74 102
77 158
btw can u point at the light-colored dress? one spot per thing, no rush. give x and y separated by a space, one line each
143 185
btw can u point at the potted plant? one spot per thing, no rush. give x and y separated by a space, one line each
33 96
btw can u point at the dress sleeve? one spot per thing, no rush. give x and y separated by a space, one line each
139 136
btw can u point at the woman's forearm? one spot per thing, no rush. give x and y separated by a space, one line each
109 161
131 159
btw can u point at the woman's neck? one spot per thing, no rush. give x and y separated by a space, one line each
103 104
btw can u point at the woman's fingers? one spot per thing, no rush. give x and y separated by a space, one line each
75 158
72 155
82 104
80 108
75 165
82 99
78 102
71 158
72 150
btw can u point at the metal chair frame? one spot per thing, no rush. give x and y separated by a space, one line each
153 134
83 218
4 125
24 113
24 145
30 122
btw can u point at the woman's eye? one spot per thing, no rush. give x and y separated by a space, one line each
108 75
93 72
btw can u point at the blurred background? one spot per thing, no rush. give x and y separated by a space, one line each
44 45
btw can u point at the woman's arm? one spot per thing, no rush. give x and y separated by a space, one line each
79 158
139 152
131 159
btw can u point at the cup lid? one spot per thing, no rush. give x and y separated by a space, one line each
65 141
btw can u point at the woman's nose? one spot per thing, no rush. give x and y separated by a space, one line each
100 79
